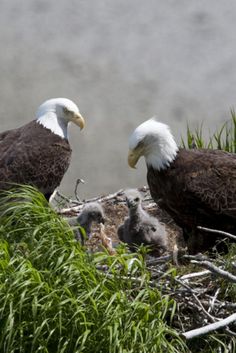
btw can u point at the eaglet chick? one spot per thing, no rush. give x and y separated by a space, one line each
141 228
92 212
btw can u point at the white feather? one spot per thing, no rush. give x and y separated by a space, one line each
158 144
52 116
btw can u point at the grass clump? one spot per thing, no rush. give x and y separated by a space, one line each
54 299
223 139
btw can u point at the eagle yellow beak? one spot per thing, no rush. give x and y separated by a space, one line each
78 120
133 158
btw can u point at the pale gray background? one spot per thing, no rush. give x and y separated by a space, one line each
122 62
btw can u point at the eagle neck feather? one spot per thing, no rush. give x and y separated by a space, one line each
161 153
52 122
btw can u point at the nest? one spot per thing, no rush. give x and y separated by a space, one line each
202 286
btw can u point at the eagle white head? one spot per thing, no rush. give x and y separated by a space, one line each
55 114
155 142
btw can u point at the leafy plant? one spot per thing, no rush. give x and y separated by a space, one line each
54 299
223 139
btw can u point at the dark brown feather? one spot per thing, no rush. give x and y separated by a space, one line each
198 189
33 155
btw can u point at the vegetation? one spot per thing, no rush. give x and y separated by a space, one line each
54 299
224 139
55 296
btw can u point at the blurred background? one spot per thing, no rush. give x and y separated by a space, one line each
122 62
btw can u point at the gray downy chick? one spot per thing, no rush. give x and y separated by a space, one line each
91 213
141 228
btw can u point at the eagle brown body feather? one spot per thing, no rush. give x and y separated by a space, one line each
198 189
33 155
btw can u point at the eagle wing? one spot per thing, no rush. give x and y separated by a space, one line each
9 144
198 182
213 182
33 155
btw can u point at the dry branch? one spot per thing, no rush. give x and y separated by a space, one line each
79 205
214 269
220 232
194 275
213 300
209 328
78 181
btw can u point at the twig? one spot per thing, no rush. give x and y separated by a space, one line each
78 207
222 273
132 278
158 260
197 300
63 197
78 181
212 303
198 257
105 198
52 197
111 196
230 332
209 328
194 275
228 305
170 256
220 232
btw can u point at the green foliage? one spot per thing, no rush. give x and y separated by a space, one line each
54 299
229 288
224 139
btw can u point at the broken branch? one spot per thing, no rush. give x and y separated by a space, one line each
220 232
214 269
209 328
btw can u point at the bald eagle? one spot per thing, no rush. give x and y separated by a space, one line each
196 187
39 153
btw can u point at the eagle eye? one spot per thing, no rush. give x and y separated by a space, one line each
66 110
136 199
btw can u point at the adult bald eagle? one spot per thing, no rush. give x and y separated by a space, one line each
39 153
196 187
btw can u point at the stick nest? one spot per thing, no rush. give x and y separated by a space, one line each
203 286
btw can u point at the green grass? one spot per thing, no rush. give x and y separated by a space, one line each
223 139
53 299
